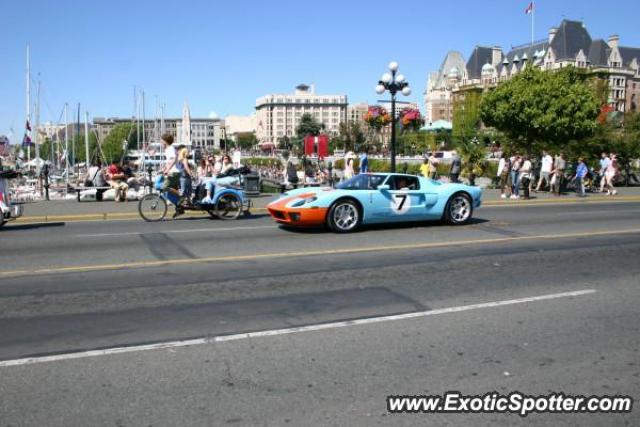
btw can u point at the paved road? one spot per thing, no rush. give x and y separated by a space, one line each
104 285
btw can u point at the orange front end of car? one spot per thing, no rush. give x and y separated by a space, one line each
298 216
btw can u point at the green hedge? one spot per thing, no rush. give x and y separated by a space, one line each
377 165
262 161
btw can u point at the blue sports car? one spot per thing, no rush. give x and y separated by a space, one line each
376 198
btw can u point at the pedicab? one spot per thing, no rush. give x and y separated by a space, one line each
228 199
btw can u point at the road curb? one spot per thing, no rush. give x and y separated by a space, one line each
116 216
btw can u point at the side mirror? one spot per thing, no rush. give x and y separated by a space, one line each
383 187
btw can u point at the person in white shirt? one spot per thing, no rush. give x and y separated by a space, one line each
504 166
545 171
170 171
525 175
605 162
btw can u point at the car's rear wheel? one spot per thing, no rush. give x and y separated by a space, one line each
459 209
344 216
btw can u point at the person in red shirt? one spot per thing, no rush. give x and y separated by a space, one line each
117 179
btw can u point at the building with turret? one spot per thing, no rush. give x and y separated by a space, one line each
570 44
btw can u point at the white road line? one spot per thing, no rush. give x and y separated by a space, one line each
192 230
286 331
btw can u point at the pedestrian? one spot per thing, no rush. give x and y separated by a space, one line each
545 171
185 176
525 175
425 169
433 166
605 161
364 161
348 165
504 166
516 162
581 173
291 174
117 180
96 176
558 177
610 174
456 166
132 181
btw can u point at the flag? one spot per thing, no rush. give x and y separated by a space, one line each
26 141
28 126
529 9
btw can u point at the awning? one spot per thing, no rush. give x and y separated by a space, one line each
438 125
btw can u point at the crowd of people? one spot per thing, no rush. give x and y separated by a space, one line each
551 173
180 175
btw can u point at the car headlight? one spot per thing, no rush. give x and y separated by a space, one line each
304 201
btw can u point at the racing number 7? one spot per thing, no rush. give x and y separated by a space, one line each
404 199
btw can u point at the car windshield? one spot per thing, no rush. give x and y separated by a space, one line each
362 182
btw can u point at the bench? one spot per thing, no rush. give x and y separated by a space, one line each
99 190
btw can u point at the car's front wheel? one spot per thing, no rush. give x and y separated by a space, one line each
459 209
344 216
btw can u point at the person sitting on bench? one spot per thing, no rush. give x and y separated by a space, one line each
117 179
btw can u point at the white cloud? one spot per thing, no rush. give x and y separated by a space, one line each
213 115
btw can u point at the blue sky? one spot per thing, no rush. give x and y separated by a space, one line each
221 56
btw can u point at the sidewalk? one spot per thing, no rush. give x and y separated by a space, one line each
72 210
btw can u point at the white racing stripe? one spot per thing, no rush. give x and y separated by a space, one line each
286 331
192 230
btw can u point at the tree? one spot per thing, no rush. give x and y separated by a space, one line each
351 136
551 108
466 116
308 126
474 158
246 140
112 146
77 144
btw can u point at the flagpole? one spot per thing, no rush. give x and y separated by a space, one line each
533 20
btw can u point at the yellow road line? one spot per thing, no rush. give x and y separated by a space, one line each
298 254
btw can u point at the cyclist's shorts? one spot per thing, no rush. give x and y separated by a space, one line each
171 181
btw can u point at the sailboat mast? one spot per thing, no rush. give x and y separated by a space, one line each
144 134
28 102
37 125
86 139
66 145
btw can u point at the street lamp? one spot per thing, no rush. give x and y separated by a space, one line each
394 83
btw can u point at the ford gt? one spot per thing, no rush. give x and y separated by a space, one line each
376 198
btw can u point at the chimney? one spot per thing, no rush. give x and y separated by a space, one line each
496 55
552 34
613 41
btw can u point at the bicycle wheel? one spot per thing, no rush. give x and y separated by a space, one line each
228 206
152 207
